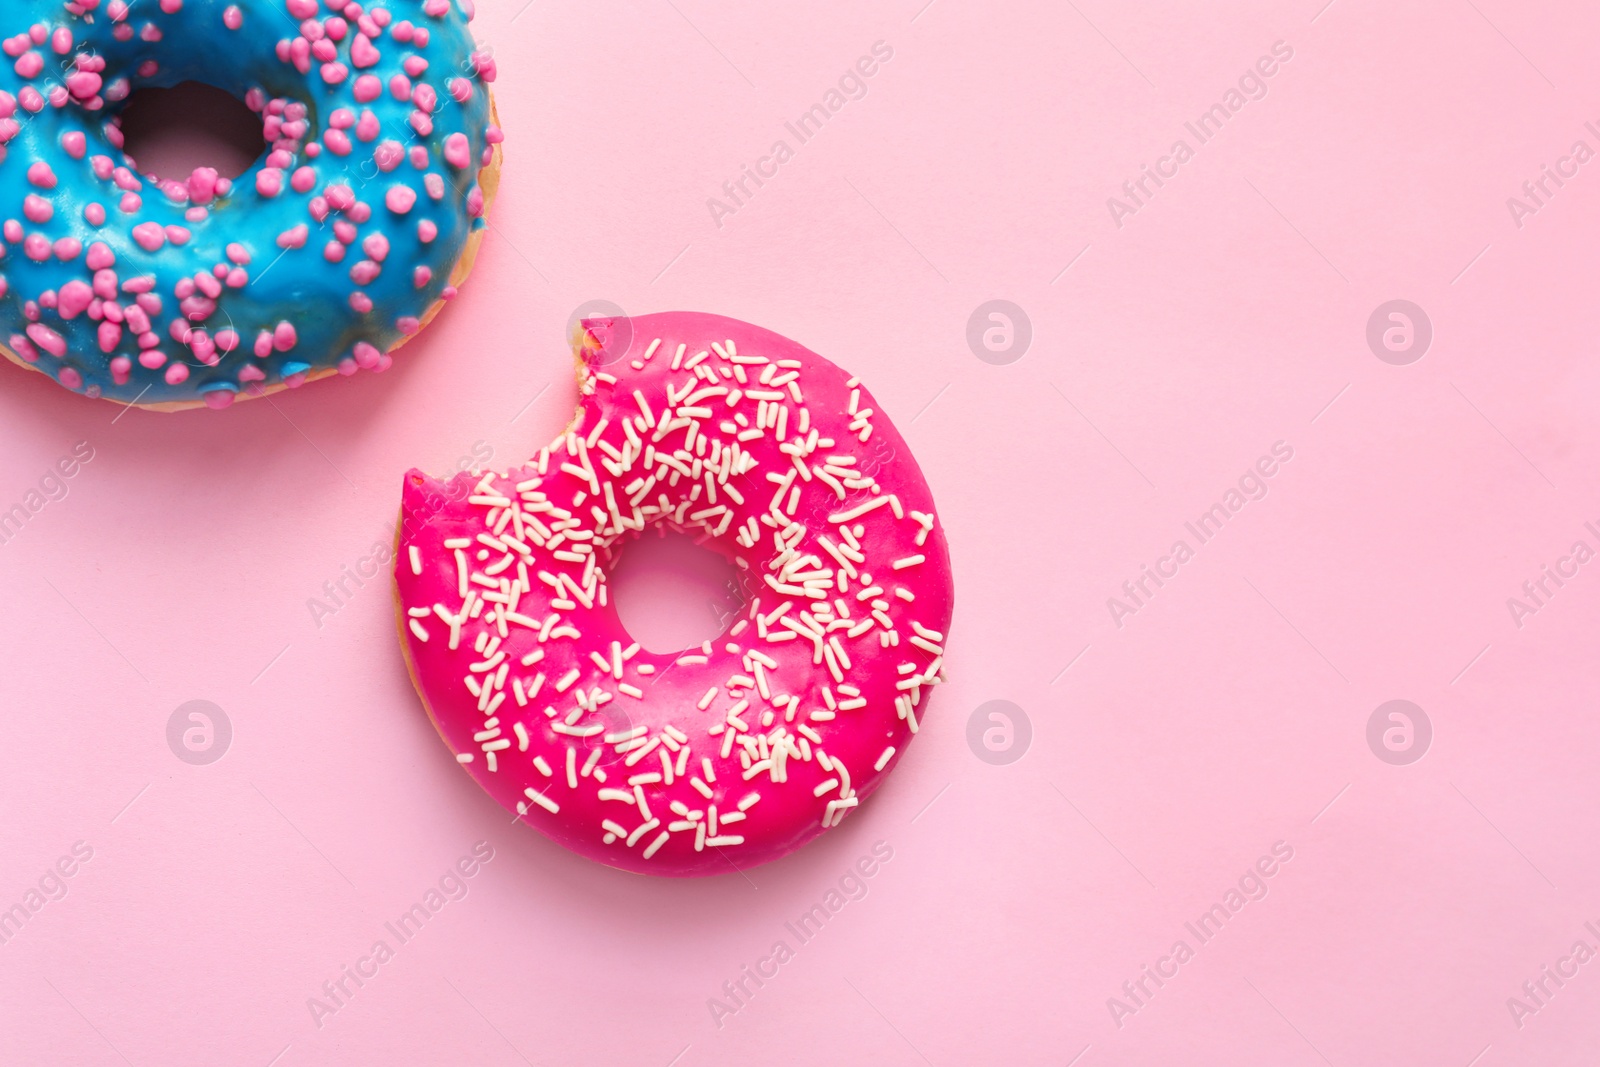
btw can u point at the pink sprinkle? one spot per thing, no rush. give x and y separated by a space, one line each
365 272
70 378
360 302
338 142
152 359
458 151
121 369
105 287
61 40
284 337
345 232
252 373
427 230
177 374
400 199
41 175
68 249
30 64
130 203
377 247
238 278
150 236
368 88
422 276
23 347
362 52
334 73
416 66
37 247
368 128
400 88
303 180
461 89
202 185
110 335
48 339
38 209
409 325
388 155
342 118
83 85
75 144
178 235
238 253
340 197
74 299
13 230
227 339
333 252
366 355
233 18
269 181
217 399
101 256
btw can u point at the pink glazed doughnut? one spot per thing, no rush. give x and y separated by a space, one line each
722 756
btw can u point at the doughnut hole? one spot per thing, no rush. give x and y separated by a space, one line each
171 132
672 594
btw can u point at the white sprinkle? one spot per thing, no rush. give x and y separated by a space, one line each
884 759
543 801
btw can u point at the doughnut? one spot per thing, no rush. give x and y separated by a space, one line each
724 755
360 220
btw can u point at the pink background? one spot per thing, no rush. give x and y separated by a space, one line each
1228 714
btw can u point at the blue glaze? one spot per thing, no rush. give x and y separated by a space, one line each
294 285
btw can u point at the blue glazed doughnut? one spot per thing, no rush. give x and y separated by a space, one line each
362 217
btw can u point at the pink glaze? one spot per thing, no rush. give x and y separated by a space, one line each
744 749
